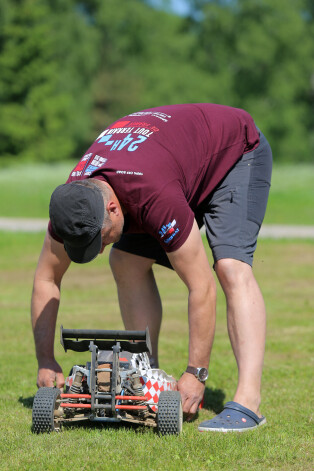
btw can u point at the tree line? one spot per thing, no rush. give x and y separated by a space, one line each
69 68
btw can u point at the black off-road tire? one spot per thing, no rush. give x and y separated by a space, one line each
169 416
46 402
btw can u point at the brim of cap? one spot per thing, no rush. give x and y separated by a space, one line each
87 253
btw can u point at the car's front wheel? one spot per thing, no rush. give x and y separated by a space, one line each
46 416
169 415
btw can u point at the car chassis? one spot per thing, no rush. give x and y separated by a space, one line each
117 385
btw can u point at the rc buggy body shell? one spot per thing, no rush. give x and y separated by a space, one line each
118 384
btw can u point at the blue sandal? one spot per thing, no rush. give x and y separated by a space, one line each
234 418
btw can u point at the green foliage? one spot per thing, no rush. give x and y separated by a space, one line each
145 60
70 67
45 64
261 53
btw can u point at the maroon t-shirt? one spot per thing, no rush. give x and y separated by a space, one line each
163 162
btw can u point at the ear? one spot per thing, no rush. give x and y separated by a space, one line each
112 208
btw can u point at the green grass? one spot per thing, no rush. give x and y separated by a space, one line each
285 273
25 192
291 199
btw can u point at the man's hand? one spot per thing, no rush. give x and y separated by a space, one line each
192 392
50 375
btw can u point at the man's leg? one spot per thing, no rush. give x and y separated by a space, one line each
246 326
138 294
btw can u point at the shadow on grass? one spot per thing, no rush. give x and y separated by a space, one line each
26 401
110 426
214 400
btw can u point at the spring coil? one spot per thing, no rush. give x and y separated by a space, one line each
76 386
138 391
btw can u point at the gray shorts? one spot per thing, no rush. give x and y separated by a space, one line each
232 214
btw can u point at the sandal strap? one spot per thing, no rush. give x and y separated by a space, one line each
236 406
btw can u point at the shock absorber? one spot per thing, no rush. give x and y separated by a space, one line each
76 385
138 391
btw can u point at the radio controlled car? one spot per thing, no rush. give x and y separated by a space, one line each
117 385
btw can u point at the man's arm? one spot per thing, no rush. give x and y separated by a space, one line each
52 264
191 264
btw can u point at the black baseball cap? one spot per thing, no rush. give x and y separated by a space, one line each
77 214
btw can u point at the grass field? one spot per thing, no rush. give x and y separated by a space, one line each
285 273
25 192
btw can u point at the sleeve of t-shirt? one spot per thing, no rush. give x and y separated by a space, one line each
169 219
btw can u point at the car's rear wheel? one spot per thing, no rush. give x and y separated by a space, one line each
169 416
46 417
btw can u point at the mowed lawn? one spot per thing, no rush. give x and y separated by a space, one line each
25 191
285 272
